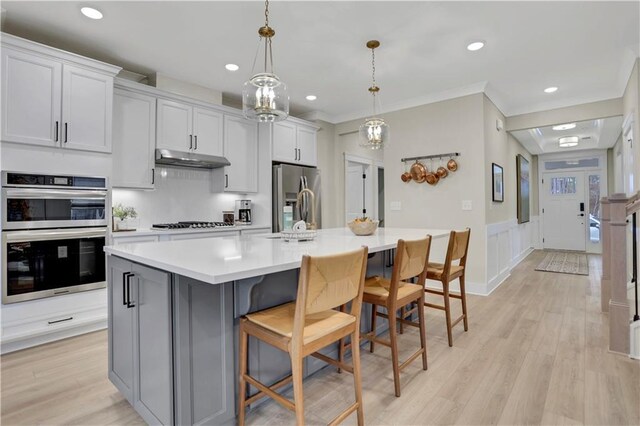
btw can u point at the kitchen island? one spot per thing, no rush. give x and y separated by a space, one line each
174 308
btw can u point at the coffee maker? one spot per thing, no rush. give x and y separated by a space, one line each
243 212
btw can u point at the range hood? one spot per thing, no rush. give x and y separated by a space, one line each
189 159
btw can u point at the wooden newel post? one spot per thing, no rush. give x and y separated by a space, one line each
618 304
605 280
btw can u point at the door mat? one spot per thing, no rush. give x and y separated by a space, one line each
565 263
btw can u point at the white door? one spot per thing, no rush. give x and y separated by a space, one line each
174 126
207 131
565 211
354 198
307 151
134 140
31 98
87 109
359 199
241 149
284 142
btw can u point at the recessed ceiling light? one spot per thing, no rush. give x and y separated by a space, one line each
568 141
567 126
476 45
550 89
232 67
92 13
312 97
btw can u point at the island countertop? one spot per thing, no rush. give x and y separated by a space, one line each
224 259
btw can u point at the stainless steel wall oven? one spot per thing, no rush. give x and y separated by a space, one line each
54 229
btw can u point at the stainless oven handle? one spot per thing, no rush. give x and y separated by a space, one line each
53 234
54 193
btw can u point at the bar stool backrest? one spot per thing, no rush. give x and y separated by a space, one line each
458 248
412 259
327 282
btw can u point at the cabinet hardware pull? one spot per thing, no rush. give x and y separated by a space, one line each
57 125
153 176
124 288
190 141
130 304
66 133
295 154
195 141
60 320
226 181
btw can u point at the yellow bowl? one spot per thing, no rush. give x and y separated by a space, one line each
363 228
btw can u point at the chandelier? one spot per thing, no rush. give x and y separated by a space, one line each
374 132
264 96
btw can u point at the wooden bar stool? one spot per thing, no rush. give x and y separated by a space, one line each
307 325
447 272
411 260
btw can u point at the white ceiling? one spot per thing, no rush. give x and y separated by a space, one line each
594 134
587 49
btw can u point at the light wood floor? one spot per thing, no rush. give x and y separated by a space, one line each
536 353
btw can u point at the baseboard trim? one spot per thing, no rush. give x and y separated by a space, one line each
13 344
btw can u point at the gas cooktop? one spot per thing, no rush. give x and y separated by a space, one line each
190 225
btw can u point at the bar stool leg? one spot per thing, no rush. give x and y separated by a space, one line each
374 315
242 392
447 310
357 378
423 332
298 396
394 349
401 324
463 295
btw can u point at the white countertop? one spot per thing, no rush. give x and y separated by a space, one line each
223 259
148 231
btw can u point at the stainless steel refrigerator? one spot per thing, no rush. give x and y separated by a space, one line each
288 181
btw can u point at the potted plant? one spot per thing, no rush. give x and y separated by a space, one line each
123 214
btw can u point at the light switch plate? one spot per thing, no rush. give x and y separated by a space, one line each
395 205
466 205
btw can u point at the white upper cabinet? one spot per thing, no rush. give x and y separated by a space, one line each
294 143
187 128
284 142
307 146
54 98
31 94
87 105
207 131
175 126
241 149
134 140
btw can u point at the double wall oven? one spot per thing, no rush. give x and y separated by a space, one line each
54 229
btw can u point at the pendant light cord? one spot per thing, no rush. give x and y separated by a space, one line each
373 79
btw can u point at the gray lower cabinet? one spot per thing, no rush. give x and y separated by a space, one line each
204 352
140 338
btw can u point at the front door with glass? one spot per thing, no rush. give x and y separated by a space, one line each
564 211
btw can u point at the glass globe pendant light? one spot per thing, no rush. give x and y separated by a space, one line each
374 132
264 96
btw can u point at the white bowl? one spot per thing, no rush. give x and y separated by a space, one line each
363 228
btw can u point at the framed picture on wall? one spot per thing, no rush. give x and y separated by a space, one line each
523 175
497 178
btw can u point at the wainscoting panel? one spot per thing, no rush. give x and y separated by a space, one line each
507 244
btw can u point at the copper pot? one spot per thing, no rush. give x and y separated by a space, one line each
452 165
442 172
432 178
406 177
418 172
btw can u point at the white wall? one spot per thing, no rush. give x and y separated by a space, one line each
631 106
